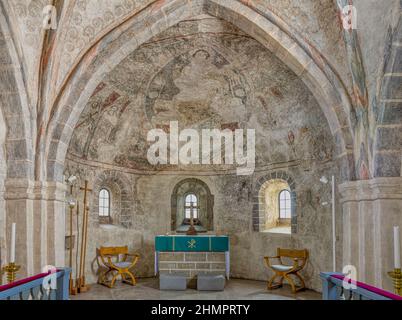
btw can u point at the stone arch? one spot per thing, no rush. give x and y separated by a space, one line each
270 31
209 202
122 203
259 214
388 134
3 172
15 107
3 159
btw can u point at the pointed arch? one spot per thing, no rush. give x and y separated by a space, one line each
15 107
269 30
388 132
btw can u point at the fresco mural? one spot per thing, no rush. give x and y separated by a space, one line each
360 101
155 85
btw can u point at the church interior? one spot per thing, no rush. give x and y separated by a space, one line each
201 149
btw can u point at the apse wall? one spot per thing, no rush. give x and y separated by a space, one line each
204 73
150 215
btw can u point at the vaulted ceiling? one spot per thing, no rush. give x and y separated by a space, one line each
82 23
206 74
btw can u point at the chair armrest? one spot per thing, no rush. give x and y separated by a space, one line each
133 255
268 260
136 257
299 263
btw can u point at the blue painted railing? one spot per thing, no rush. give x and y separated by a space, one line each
333 288
48 287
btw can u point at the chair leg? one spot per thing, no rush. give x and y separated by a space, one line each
103 277
271 281
303 285
133 282
272 285
281 282
114 280
291 282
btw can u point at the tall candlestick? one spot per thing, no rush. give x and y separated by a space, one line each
12 253
397 248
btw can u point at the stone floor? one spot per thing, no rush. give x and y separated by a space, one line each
147 289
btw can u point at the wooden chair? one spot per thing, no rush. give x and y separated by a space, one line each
117 267
285 271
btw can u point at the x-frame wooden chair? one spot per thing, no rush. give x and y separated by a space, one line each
117 268
284 272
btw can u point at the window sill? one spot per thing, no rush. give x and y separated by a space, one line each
107 226
280 230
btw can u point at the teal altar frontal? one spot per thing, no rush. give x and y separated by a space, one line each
202 243
198 243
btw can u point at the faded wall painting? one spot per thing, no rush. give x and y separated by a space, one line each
202 79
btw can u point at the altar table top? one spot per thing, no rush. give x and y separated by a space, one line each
198 243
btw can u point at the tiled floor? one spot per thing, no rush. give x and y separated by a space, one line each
148 289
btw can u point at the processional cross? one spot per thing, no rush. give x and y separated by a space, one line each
82 287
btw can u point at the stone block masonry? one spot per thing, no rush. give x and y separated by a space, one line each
191 264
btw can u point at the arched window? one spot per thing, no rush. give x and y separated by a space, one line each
285 205
275 206
191 206
104 203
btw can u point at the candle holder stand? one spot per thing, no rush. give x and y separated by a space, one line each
11 270
396 277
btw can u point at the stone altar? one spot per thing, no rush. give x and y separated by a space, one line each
192 255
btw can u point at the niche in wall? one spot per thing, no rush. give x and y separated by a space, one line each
205 203
275 207
121 205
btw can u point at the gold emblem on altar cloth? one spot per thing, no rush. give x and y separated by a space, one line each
191 244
